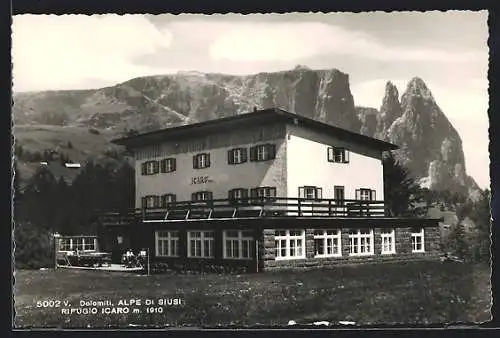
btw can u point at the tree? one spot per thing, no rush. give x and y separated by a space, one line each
38 199
457 241
481 215
403 195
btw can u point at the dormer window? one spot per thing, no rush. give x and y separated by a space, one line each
201 161
338 155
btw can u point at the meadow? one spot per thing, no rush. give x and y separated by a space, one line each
419 293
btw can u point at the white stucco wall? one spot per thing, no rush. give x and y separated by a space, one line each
223 176
307 164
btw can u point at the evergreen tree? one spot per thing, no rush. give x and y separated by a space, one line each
481 215
38 199
403 195
457 241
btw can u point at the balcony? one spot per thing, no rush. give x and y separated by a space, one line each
248 208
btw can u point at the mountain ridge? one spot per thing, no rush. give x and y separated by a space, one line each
152 102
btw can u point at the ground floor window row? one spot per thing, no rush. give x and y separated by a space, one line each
78 244
237 244
289 244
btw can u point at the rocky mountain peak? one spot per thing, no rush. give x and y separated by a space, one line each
417 88
389 111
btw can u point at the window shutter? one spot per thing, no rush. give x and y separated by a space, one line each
143 202
193 196
163 202
358 194
156 199
230 194
163 166
174 164
230 157
244 155
143 168
373 196
207 160
319 193
346 156
210 195
302 192
253 153
272 151
174 197
156 167
195 162
329 154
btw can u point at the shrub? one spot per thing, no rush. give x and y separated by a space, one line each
33 246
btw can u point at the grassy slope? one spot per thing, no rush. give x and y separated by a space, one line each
377 294
48 137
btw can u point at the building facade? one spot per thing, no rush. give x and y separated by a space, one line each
266 190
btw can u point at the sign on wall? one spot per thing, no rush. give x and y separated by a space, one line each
201 180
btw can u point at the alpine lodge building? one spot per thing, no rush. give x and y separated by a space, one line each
265 190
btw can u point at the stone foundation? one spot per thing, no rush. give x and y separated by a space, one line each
402 244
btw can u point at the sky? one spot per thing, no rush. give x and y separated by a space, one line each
448 50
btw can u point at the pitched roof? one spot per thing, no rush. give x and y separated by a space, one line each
263 116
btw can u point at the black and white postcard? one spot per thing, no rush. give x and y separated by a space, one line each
318 170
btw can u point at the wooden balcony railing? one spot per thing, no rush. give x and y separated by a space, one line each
249 207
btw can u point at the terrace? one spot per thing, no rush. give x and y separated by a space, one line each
268 207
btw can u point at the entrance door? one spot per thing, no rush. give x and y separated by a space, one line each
339 196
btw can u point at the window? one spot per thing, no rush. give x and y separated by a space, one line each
167 243
238 244
308 192
360 242
201 244
89 244
80 244
388 241
150 202
338 155
168 165
261 193
365 195
238 195
417 240
166 199
289 244
201 196
237 156
339 194
263 152
150 168
327 243
201 161
65 244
